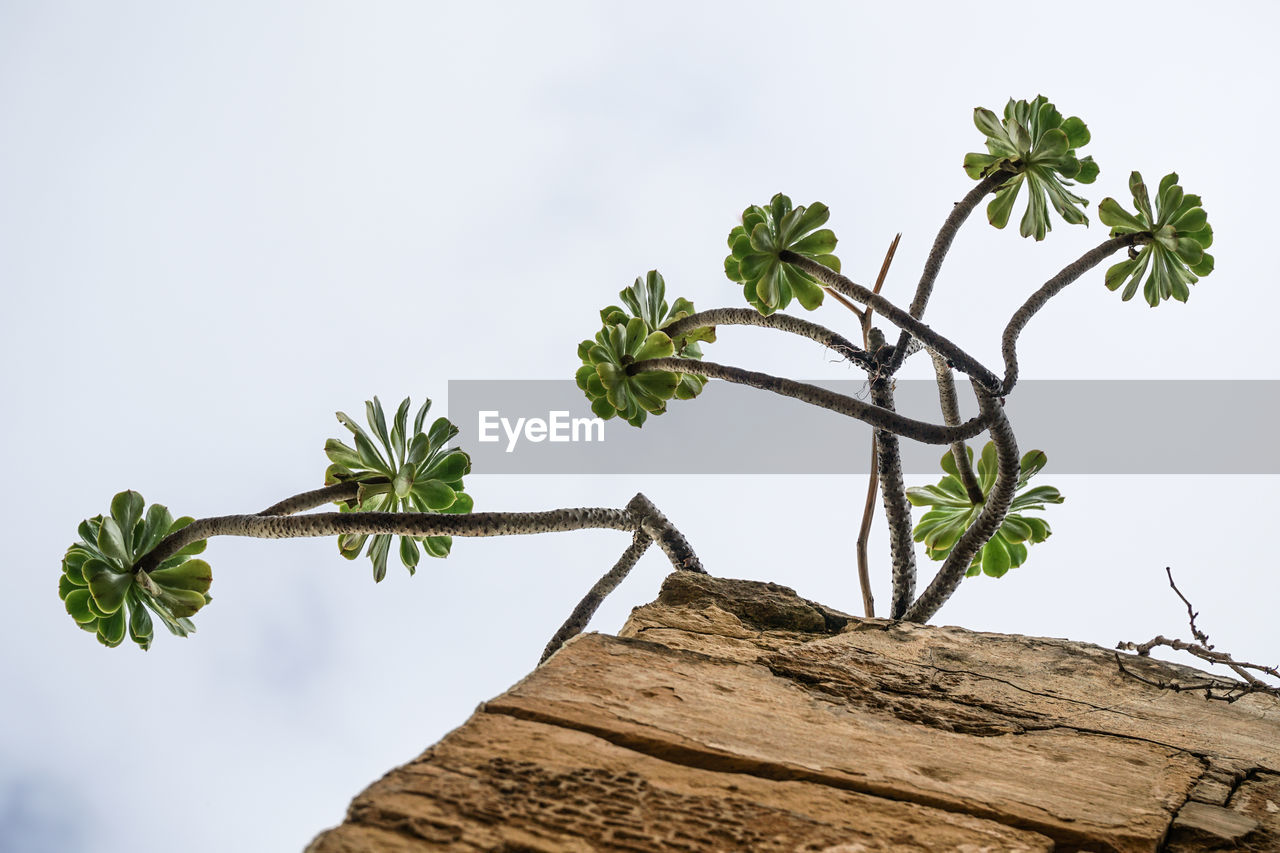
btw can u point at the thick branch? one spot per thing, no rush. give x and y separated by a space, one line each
661 530
782 322
398 523
951 416
313 499
988 522
897 510
874 415
1037 300
941 245
959 359
590 603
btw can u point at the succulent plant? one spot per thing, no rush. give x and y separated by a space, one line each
106 595
417 473
953 512
1175 253
1038 146
769 284
632 334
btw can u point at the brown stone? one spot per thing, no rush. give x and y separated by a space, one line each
734 715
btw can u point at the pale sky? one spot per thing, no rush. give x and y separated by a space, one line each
221 223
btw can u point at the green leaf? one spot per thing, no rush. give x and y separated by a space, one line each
409 555
111 629
193 576
995 557
1002 205
378 554
155 528
378 422
111 542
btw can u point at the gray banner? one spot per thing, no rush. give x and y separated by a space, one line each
1085 426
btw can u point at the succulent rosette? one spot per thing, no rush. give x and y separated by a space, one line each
416 473
755 247
635 333
1174 254
1038 146
107 596
953 513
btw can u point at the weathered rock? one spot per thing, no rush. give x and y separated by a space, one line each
734 715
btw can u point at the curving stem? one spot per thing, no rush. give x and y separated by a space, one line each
959 359
640 514
953 569
1037 300
876 416
951 415
941 245
781 322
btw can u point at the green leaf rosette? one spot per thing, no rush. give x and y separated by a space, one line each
953 513
406 471
1038 145
106 596
1175 254
755 246
632 334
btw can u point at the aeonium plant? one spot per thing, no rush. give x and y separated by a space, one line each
106 595
633 335
1037 147
955 510
1176 236
404 481
417 473
980 522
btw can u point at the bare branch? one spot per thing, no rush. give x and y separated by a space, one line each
873 477
864 532
874 415
1200 636
1037 300
959 359
1214 688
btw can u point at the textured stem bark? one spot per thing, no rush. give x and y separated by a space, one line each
951 416
959 359
1037 300
897 510
590 603
781 322
941 245
640 514
876 416
988 521
313 499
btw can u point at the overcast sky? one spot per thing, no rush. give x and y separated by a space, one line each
220 223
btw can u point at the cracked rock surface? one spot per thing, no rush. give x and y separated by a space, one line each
735 715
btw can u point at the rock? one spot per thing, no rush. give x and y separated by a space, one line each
734 715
